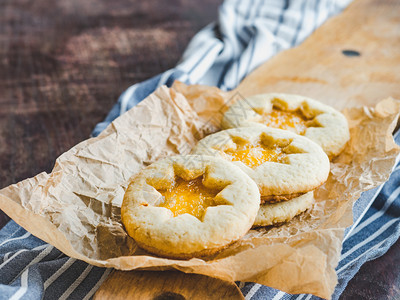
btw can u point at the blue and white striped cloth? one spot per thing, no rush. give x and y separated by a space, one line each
222 54
247 34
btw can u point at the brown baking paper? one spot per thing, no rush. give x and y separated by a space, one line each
76 208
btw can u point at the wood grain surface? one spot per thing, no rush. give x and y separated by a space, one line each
170 285
351 60
63 64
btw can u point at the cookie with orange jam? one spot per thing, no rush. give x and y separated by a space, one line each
283 164
189 206
302 115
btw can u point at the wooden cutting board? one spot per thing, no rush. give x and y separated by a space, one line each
353 59
166 285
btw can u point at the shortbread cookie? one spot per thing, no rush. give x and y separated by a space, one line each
189 206
283 164
305 116
271 214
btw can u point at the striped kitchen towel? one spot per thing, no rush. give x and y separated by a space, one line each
247 34
222 54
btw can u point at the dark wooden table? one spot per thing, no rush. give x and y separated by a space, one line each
63 65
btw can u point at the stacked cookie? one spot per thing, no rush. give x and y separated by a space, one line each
249 174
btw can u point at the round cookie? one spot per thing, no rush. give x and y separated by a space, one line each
302 115
283 164
189 206
271 214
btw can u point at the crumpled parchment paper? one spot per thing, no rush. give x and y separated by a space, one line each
76 207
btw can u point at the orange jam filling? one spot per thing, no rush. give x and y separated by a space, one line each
253 155
288 120
188 197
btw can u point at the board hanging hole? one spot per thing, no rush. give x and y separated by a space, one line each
351 53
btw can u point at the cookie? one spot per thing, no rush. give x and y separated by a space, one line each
283 164
302 115
189 206
276 213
